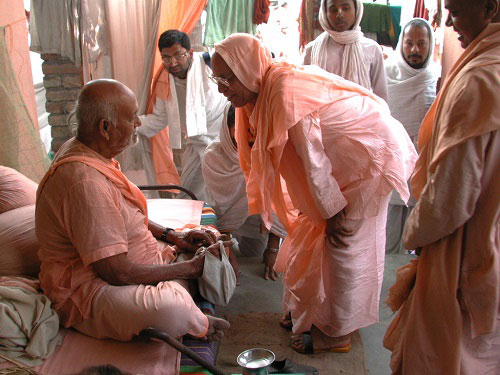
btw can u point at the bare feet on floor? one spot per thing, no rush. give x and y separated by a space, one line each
316 341
216 328
286 320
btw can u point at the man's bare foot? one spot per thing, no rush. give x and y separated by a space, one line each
216 328
286 320
316 341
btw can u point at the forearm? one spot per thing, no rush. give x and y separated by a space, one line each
157 231
150 274
117 270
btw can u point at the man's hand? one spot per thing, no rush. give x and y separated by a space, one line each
269 258
193 239
337 232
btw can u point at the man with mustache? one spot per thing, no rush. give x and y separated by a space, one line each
101 264
448 318
411 84
186 104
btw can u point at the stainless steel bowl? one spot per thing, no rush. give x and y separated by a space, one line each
256 361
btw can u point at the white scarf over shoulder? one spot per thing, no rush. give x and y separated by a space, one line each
411 91
225 181
354 67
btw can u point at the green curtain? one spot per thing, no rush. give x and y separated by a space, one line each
227 17
20 145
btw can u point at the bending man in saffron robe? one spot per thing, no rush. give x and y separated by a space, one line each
449 323
340 153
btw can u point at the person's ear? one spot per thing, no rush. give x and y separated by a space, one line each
491 9
191 53
104 128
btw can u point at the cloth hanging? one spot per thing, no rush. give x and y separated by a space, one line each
20 146
420 10
228 17
309 26
261 11
55 28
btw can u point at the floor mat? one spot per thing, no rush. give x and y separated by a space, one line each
262 330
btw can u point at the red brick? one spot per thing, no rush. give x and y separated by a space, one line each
57 143
50 67
55 107
53 57
70 106
61 132
72 80
58 120
62 94
52 81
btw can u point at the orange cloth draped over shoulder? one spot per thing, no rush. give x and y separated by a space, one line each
287 93
111 171
181 15
437 127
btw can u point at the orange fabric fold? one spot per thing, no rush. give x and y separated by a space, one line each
437 135
111 171
163 158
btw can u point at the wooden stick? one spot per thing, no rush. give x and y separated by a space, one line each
157 334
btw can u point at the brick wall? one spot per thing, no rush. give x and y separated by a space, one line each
62 81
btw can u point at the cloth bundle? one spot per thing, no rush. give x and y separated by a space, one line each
218 281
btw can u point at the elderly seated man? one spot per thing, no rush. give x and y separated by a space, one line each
101 264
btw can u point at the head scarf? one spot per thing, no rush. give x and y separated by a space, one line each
407 70
353 66
287 93
249 67
411 91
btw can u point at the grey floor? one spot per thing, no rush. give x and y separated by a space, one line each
257 294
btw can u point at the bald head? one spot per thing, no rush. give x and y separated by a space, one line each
99 99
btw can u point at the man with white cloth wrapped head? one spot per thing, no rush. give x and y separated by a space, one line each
411 83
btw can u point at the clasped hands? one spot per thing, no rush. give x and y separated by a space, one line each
337 230
199 241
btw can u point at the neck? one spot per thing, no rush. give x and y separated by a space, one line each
96 146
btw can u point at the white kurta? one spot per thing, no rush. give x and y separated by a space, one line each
204 114
373 56
410 94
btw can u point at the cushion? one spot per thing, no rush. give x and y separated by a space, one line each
16 190
18 243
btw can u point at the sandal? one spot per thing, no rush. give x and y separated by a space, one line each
286 321
308 347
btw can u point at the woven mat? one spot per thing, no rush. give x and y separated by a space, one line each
262 330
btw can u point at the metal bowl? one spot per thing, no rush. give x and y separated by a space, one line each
256 360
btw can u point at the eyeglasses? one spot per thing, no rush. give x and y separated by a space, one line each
223 81
178 58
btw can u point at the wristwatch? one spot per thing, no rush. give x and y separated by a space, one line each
163 236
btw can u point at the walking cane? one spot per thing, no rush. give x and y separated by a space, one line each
153 333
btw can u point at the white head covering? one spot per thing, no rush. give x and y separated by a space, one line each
353 66
411 91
